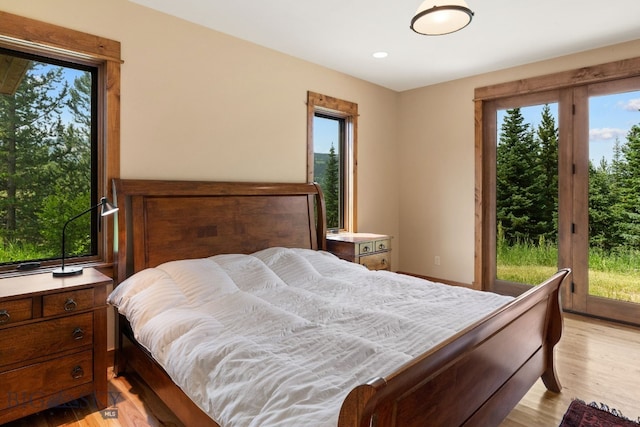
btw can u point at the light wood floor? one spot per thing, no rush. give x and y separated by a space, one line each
597 361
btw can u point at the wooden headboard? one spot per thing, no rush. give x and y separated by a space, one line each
161 221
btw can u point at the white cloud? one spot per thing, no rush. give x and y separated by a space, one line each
603 134
632 105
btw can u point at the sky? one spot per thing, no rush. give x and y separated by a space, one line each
69 75
610 117
325 133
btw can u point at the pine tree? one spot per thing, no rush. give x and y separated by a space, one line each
547 138
605 215
45 162
518 187
27 120
331 189
70 157
630 188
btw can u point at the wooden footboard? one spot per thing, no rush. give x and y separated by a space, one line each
476 377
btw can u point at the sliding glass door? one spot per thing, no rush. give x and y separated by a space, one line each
610 286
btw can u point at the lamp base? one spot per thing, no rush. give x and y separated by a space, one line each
67 271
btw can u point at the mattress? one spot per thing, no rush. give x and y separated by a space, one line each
279 337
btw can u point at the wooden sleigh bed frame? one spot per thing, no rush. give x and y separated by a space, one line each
474 378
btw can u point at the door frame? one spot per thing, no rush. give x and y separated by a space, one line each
572 88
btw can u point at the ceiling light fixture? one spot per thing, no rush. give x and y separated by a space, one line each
434 20
380 55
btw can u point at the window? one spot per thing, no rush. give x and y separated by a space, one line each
331 149
558 179
59 141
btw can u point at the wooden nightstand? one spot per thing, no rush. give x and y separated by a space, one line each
370 250
53 341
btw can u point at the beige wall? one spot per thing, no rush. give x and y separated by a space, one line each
436 134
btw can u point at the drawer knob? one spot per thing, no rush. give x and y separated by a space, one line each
365 249
381 246
78 334
4 316
70 305
77 372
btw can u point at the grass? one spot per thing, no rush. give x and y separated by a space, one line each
613 275
14 252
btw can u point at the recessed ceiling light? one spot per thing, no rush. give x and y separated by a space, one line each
380 55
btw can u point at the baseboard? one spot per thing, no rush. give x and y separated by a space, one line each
435 279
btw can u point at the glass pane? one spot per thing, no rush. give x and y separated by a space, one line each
45 159
327 153
614 196
527 194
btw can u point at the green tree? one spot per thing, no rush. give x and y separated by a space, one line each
70 163
45 163
605 213
331 189
519 188
630 188
547 139
28 119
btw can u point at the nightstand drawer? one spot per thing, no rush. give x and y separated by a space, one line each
373 246
28 385
382 245
67 302
379 261
365 248
15 311
22 343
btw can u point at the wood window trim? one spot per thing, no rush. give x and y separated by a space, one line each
349 111
53 41
484 180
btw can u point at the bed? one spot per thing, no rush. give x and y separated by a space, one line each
473 377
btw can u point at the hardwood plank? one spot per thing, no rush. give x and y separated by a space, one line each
597 361
135 403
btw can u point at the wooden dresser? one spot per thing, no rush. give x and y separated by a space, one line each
53 339
370 250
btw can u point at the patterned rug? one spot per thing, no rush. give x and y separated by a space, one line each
580 414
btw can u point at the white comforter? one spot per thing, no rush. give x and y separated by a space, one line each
278 338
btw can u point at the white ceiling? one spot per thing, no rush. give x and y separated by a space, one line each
343 34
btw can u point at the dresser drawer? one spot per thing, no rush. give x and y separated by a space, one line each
30 384
67 302
22 343
15 311
379 261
